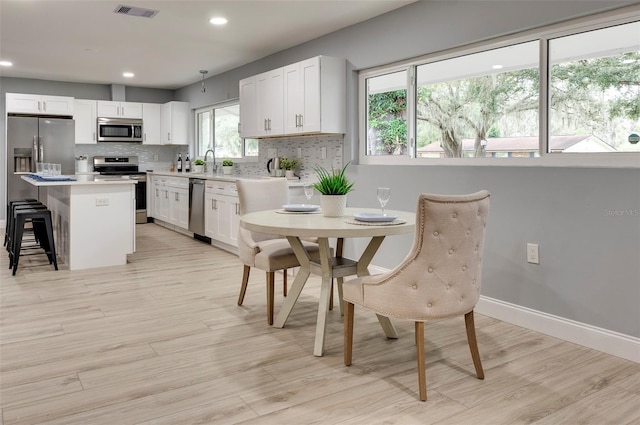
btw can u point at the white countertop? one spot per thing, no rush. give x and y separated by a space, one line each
82 180
221 177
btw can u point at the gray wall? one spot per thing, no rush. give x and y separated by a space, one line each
589 270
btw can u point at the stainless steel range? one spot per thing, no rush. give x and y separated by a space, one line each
125 167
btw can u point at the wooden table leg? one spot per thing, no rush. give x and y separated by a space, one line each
325 292
298 283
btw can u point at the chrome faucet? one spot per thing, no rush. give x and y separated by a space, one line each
213 154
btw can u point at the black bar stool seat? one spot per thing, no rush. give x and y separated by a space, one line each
9 215
42 227
11 220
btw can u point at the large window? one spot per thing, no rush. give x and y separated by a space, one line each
217 129
564 91
594 90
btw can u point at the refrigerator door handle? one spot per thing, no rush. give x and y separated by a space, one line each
35 148
41 148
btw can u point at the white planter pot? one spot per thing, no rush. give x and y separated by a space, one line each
289 174
333 205
198 168
226 169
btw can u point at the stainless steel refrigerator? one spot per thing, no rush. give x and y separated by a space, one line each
37 139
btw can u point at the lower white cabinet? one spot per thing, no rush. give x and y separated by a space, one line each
170 200
222 212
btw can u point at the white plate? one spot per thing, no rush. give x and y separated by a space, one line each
300 207
374 217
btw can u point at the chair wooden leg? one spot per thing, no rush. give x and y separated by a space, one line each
270 290
348 332
473 344
243 287
422 373
284 282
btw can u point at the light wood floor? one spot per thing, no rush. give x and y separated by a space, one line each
162 341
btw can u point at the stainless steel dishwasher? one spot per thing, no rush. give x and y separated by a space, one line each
196 207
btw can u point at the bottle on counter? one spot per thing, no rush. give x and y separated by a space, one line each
187 164
179 167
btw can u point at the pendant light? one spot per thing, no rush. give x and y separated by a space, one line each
203 72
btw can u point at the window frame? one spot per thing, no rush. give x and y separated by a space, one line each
542 35
219 105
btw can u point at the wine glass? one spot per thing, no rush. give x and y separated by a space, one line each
384 193
308 191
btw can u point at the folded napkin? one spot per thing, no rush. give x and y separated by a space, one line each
51 178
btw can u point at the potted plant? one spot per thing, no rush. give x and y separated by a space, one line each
333 185
198 166
227 166
289 165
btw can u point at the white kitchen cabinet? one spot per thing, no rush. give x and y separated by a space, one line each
222 212
85 117
307 97
39 104
270 102
159 199
113 109
151 118
174 123
178 200
315 96
170 200
248 107
261 105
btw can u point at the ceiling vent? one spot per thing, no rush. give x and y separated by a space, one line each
136 11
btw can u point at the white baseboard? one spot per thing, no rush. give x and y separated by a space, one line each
610 342
604 340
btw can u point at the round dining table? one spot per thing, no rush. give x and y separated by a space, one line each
330 264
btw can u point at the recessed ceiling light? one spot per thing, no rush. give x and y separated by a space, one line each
6 63
128 74
497 67
218 20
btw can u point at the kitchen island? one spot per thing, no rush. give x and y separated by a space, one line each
93 219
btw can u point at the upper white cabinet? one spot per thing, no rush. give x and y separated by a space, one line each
269 86
151 118
302 98
173 124
111 109
315 96
84 115
248 107
261 105
39 104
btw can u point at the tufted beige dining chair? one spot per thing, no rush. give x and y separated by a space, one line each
439 278
266 252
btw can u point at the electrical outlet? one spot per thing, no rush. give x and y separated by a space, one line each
101 202
323 152
272 153
299 153
533 255
155 157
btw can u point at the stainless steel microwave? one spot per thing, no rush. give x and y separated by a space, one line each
119 130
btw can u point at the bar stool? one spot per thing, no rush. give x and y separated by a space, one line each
43 228
9 215
11 221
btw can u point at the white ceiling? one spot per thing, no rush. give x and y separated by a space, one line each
84 41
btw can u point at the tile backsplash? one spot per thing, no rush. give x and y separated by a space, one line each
147 154
159 158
